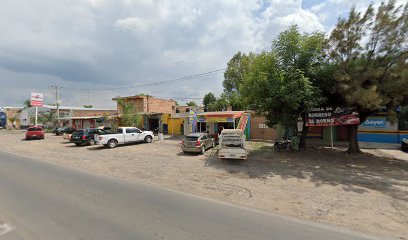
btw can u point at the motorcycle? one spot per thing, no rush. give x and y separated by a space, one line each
283 145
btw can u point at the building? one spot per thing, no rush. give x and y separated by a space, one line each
12 116
76 117
154 110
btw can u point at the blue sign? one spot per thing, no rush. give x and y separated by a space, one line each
375 123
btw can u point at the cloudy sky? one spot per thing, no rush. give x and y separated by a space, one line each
112 47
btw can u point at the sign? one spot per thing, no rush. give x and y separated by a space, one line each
37 99
375 123
193 121
330 116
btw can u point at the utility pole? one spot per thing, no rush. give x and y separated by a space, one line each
55 87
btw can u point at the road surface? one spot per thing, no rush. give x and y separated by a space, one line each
40 201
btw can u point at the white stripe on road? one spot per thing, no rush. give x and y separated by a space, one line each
5 228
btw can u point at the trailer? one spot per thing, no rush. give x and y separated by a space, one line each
232 144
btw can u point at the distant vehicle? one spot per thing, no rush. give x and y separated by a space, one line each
35 133
124 135
86 136
232 144
197 142
3 119
60 131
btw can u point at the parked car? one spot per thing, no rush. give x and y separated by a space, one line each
60 131
124 135
86 136
197 142
232 144
35 132
404 144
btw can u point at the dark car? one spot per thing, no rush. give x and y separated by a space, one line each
62 130
86 136
35 133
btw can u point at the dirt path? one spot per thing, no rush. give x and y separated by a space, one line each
364 193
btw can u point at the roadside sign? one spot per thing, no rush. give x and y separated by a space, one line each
37 99
329 116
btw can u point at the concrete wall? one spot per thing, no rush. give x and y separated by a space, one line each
91 113
150 104
259 129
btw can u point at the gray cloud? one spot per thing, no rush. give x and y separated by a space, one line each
119 43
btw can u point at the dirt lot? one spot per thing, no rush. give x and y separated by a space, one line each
365 193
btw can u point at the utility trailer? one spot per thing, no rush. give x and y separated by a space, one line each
232 144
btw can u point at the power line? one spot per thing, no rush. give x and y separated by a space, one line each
201 75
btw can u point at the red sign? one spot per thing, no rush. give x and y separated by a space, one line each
37 99
329 116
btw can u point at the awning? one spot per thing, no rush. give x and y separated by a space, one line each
226 116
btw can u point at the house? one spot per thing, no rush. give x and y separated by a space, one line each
12 115
154 110
76 117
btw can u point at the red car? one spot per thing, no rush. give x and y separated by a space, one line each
35 133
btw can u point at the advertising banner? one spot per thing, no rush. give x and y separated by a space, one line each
37 99
329 116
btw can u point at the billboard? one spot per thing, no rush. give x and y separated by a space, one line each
37 99
329 116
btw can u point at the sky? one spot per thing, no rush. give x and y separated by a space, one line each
95 50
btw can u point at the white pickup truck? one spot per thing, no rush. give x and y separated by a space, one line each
124 135
232 144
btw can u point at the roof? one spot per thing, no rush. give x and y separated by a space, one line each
142 97
234 114
79 108
195 134
74 118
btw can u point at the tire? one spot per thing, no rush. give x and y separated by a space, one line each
202 150
112 143
91 142
148 139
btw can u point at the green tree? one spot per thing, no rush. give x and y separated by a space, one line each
27 103
191 104
280 95
371 57
233 78
220 104
208 100
305 54
130 117
88 106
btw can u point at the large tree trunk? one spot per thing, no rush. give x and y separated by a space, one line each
352 138
303 135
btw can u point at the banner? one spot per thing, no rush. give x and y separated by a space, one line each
330 116
37 99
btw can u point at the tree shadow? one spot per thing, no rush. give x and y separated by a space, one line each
356 173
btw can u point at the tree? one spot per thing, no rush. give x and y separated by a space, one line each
88 106
283 84
233 78
27 103
208 100
306 55
371 57
191 104
280 95
130 117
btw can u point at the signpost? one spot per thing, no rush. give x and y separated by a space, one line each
37 100
329 116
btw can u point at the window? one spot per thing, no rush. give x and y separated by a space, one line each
34 129
119 130
263 125
133 130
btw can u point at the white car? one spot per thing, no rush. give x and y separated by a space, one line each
124 135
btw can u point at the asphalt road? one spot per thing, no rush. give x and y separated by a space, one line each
41 201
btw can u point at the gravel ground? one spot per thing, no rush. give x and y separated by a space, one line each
366 192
